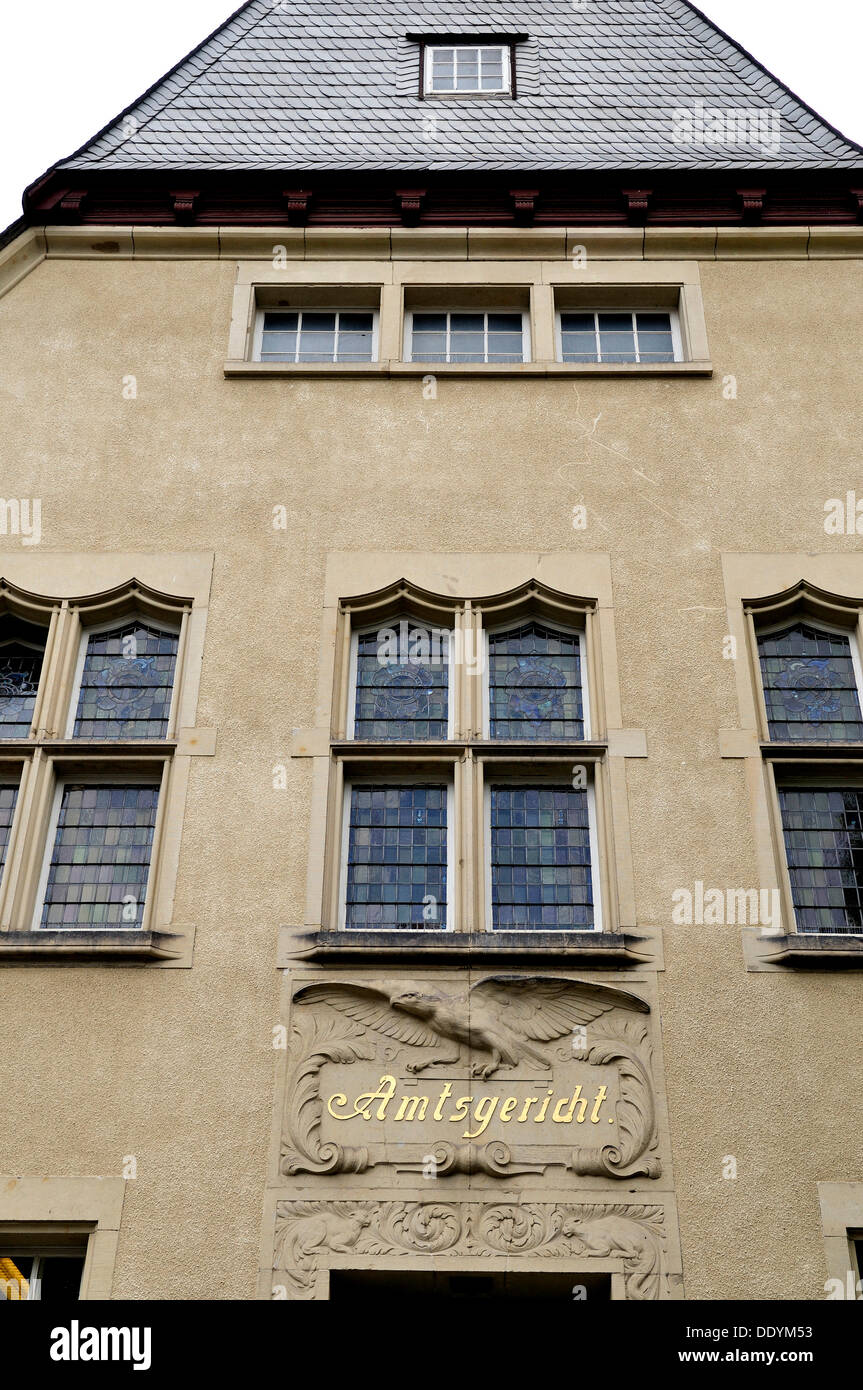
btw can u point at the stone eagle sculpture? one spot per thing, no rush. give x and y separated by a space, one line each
505 1015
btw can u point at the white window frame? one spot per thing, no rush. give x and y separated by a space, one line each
350 723
175 630
833 631
34 1283
400 780
593 841
673 314
115 778
467 309
429 89
263 309
486 685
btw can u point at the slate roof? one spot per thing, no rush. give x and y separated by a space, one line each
333 84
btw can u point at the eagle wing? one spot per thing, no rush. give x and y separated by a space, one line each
371 1008
540 1009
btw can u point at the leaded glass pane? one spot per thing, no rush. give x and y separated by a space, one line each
101 857
535 683
397 858
19 682
540 859
127 683
8 798
823 830
402 683
810 688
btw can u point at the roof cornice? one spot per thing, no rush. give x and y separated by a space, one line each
499 199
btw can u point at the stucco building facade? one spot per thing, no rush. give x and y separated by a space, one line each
431 594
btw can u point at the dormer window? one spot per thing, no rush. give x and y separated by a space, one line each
465 69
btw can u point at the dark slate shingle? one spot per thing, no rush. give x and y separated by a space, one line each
333 84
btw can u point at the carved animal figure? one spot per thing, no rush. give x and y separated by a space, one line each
505 1016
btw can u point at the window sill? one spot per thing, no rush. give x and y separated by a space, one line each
802 951
90 946
466 369
594 948
817 751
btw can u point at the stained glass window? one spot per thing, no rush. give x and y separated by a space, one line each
8 798
810 688
397 857
467 337
616 337
101 858
535 684
540 859
402 683
22 648
331 335
127 683
823 830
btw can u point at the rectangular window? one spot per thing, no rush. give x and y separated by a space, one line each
53 1276
126 682
462 68
100 862
401 682
823 832
535 683
317 335
607 335
541 862
452 336
811 684
8 799
397 856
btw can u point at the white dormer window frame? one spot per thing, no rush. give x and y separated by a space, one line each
459 52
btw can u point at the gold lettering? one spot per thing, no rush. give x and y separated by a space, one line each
483 1120
412 1104
561 1119
600 1097
340 1099
507 1108
363 1104
531 1100
461 1108
444 1096
538 1119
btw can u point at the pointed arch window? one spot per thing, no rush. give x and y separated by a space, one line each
400 682
22 651
535 685
126 681
811 681
92 690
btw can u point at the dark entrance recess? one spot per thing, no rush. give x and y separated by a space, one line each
413 1285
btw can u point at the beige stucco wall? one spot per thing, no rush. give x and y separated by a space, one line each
177 1067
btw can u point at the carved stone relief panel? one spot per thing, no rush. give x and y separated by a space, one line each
311 1237
502 1075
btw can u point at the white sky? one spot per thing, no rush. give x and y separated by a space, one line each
68 66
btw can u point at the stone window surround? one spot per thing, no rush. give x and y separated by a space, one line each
761 590
521 584
78 590
88 1207
395 287
841 1206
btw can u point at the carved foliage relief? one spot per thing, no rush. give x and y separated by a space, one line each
310 1233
